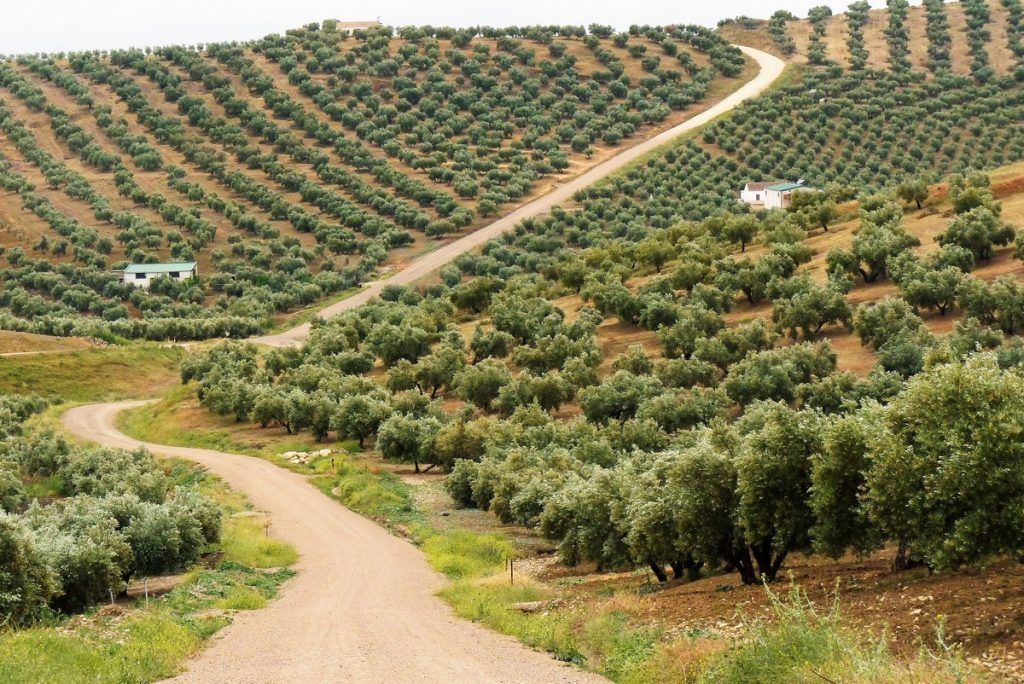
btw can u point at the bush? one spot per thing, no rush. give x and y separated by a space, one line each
27 583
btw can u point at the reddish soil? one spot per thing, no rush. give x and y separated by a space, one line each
983 610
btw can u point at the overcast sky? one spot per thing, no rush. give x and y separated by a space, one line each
59 25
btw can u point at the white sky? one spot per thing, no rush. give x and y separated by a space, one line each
61 25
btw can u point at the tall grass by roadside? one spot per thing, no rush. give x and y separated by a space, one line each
805 644
246 543
147 647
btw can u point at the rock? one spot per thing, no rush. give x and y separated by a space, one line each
324 452
530 606
290 454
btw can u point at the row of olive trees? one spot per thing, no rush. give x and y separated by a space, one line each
781 481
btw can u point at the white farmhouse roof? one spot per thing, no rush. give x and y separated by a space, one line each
175 267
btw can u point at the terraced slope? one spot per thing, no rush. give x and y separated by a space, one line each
293 167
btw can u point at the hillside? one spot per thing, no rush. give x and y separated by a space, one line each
657 377
298 165
620 429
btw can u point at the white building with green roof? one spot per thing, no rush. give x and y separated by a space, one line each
772 195
141 275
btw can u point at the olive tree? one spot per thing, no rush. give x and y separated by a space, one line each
944 477
773 479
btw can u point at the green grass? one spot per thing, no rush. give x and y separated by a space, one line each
290 321
246 542
242 598
130 371
381 496
803 644
148 647
461 554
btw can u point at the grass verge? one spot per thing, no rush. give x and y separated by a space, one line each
289 321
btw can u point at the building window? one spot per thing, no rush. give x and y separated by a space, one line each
173 274
140 276
757 197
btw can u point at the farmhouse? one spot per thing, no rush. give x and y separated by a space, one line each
772 195
141 275
349 27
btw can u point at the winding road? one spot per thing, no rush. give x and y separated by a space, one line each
771 68
362 606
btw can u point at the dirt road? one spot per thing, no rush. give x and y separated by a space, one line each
362 607
771 69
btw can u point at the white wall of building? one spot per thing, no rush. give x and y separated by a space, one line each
755 198
145 279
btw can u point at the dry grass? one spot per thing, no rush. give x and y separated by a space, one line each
135 371
18 343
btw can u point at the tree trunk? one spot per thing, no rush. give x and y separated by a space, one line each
689 566
763 556
658 571
741 561
904 560
776 564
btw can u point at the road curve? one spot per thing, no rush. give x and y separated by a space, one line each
771 68
362 606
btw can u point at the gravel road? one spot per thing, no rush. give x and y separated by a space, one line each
771 69
362 606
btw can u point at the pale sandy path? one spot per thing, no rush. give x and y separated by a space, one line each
362 606
771 69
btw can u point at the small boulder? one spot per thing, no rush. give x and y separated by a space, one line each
530 606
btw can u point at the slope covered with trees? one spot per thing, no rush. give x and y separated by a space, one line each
292 167
513 374
715 444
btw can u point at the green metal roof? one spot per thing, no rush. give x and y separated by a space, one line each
786 187
161 268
